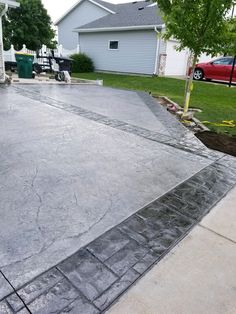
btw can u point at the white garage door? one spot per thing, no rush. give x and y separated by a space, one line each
176 62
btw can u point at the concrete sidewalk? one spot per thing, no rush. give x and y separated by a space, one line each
198 276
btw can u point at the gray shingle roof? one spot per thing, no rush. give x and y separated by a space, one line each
127 15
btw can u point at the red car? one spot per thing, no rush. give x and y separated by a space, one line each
219 69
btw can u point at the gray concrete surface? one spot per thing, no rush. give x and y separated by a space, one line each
98 273
223 218
198 276
118 104
66 179
5 288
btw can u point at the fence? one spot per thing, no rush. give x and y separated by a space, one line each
60 51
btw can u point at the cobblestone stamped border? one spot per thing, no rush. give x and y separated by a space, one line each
92 279
179 138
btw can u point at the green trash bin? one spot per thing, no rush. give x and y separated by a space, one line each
24 65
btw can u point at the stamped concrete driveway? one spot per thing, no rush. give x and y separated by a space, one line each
76 161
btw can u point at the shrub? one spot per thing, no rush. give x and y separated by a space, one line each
82 63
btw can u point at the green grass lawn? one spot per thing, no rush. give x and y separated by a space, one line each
218 102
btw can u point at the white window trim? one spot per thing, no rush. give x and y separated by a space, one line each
109 41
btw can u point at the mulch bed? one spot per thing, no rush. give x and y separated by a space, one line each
220 142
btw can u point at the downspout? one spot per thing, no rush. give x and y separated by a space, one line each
2 64
158 48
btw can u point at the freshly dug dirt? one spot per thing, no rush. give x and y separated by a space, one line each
220 142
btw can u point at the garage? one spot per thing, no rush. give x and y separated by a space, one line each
176 61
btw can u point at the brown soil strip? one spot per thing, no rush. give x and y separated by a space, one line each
220 142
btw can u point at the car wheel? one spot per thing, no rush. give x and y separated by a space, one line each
198 75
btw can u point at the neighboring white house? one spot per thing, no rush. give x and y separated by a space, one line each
122 37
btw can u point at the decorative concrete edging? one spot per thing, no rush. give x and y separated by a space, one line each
44 80
92 279
180 139
198 122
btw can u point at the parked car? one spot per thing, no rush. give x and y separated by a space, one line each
219 69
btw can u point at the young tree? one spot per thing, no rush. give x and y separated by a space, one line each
198 25
29 24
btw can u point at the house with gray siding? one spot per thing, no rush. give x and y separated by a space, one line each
83 12
122 38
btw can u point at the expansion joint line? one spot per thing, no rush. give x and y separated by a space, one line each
15 291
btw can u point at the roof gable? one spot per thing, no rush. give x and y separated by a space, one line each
128 16
109 7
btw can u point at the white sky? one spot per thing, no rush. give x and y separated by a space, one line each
56 8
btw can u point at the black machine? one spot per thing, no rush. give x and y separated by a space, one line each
52 64
47 63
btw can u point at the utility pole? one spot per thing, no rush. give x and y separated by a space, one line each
4 5
234 59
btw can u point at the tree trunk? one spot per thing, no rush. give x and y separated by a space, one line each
189 87
232 72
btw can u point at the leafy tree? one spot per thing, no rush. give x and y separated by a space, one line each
29 24
198 25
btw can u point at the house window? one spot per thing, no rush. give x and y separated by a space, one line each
113 44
